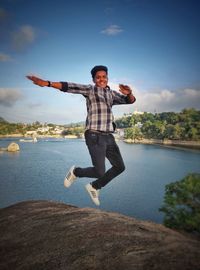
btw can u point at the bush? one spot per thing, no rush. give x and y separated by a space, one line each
182 204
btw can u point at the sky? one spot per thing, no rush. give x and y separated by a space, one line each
152 46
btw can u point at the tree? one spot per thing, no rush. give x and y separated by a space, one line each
159 129
123 122
193 134
182 204
146 129
154 130
174 132
133 133
147 117
169 117
134 119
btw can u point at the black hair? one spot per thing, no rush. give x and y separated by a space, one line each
98 68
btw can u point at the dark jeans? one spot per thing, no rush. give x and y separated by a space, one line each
101 146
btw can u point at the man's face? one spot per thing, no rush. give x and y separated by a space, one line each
101 79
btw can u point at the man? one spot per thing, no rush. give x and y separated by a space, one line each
99 128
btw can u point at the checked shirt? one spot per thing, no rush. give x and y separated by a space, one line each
99 102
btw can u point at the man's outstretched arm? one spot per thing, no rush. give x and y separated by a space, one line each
69 87
42 83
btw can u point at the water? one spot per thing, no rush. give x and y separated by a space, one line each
38 170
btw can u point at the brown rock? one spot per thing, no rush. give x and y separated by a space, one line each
48 235
13 147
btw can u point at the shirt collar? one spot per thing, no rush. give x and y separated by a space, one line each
106 88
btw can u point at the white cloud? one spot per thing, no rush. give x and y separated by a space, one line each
32 105
112 30
43 110
5 57
167 100
160 101
8 97
23 37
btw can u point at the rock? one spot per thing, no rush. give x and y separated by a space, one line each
49 235
13 147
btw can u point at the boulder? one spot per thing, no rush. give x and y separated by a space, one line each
13 147
49 235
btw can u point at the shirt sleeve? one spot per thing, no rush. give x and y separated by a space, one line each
76 88
119 98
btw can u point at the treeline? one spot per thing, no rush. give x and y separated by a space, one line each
7 128
11 128
166 125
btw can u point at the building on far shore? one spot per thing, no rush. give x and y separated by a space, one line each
137 112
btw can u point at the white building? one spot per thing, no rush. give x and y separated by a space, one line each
137 112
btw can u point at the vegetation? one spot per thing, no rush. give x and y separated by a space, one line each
182 204
7 128
167 125
77 131
133 133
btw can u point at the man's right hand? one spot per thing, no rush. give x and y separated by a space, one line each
37 81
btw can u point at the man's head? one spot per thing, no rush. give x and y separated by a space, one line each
100 76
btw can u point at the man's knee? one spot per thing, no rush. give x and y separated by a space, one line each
121 168
99 172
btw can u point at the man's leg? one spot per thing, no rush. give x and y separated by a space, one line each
97 147
114 156
97 152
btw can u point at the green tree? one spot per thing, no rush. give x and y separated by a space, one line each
174 132
132 133
147 129
169 117
182 204
147 117
154 130
159 129
134 119
193 134
66 132
123 122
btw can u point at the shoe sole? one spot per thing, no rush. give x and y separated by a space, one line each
87 188
67 183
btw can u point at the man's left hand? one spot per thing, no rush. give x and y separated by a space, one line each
125 89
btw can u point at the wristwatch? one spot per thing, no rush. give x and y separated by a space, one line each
49 84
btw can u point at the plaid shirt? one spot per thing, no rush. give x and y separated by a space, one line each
99 103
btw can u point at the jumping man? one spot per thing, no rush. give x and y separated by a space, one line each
98 129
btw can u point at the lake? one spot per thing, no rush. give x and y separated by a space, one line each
38 170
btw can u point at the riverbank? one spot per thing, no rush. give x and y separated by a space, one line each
168 143
38 136
165 142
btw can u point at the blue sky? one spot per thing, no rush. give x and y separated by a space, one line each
151 45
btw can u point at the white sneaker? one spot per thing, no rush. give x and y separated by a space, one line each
94 194
70 177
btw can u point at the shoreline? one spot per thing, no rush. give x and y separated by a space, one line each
39 136
195 145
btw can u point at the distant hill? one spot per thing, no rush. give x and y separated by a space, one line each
77 124
2 119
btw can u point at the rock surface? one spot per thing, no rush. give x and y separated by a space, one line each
13 147
48 235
